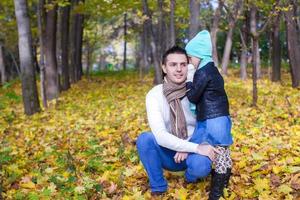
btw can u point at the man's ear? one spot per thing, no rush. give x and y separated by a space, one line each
164 68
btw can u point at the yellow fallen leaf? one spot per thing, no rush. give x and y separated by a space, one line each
181 194
242 164
285 189
28 185
261 184
79 190
276 169
129 172
126 198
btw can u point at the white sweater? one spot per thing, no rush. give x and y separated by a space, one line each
158 113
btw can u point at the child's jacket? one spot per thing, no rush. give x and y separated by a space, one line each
208 93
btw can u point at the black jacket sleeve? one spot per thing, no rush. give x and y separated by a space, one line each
196 88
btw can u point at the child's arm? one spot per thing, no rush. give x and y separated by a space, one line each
196 88
190 73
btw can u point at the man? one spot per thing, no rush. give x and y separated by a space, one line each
172 125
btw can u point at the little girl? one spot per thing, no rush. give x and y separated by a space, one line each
207 92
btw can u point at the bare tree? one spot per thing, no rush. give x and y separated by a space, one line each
214 31
244 50
149 29
125 42
172 23
76 44
255 35
293 41
41 28
2 66
160 26
65 27
276 48
52 89
232 17
194 24
29 89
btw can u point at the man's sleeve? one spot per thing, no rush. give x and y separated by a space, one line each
160 132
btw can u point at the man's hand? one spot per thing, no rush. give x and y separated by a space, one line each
180 156
207 150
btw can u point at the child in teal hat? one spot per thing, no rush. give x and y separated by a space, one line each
205 87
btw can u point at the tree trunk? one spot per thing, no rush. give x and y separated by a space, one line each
88 58
254 53
102 59
194 18
227 50
232 20
73 34
144 49
139 55
41 21
29 89
167 32
172 23
243 60
160 26
79 44
2 66
214 31
15 63
258 62
52 89
35 55
76 41
297 15
243 73
65 24
59 47
125 44
276 50
293 44
148 23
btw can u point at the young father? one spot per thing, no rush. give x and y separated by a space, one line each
169 145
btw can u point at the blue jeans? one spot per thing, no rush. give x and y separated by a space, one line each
215 131
155 158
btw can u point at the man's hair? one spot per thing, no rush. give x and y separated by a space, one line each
174 50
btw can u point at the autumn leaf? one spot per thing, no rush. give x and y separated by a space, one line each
84 146
261 184
285 189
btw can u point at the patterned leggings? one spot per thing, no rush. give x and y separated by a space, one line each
223 160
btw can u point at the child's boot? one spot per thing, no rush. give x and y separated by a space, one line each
228 174
218 182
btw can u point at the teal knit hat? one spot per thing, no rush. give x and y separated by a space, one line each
200 46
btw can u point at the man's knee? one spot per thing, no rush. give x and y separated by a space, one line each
145 140
199 166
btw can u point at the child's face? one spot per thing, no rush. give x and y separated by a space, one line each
176 68
194 61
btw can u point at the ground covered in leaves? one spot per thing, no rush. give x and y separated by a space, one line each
83 146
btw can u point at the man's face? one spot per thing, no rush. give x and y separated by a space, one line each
176 68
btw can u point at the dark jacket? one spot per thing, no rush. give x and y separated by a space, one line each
208 93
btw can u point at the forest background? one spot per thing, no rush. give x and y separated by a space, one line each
74 75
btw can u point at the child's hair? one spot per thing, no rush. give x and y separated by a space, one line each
173 50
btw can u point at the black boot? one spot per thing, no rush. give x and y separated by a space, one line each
218 183
228 174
